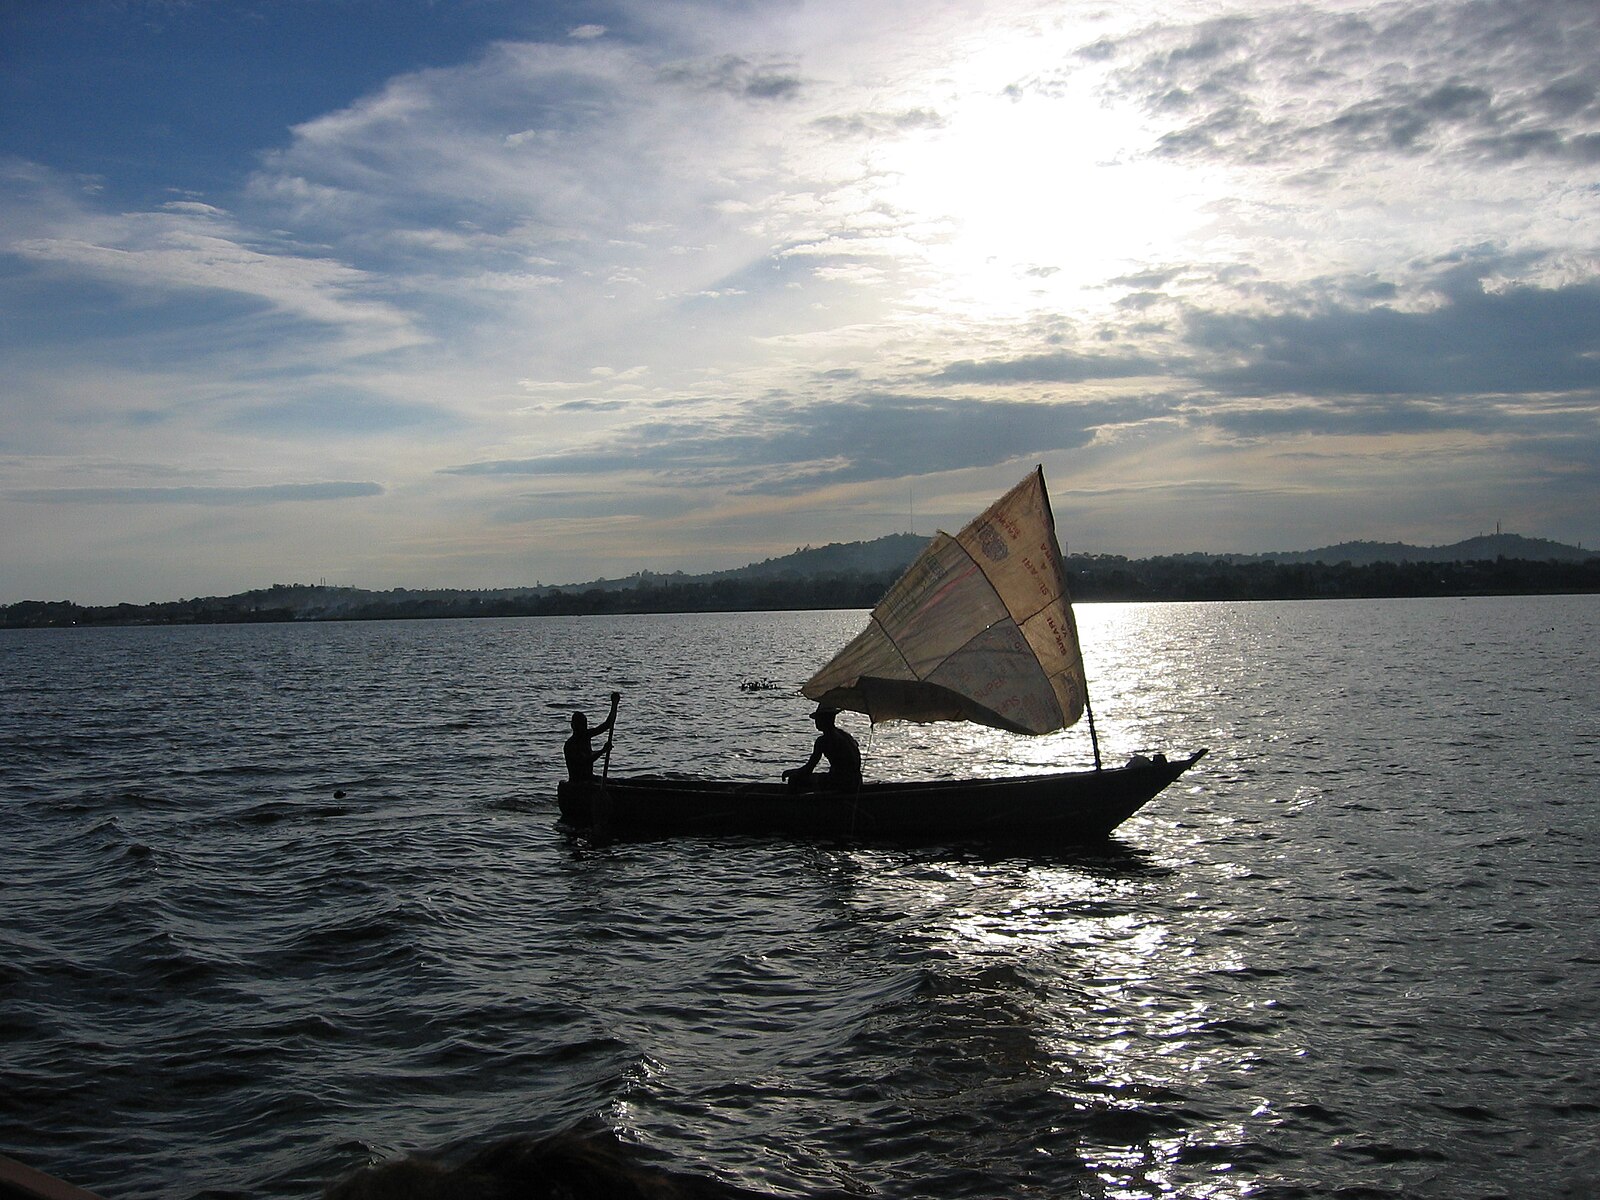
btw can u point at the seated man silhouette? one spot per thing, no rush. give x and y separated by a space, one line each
581 756
841 751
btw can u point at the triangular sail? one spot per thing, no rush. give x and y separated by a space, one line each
979 628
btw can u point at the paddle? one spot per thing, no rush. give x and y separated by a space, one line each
605 771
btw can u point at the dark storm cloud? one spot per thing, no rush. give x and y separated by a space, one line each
1518 340
791 447
1500 80
205 496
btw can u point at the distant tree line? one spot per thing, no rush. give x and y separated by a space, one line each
1109 577
284 604
1091 578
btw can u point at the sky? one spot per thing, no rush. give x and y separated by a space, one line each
418 293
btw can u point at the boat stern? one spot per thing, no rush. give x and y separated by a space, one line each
583 804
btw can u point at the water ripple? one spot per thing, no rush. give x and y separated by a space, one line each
284 902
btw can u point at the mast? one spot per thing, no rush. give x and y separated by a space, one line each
1061 549
1094 738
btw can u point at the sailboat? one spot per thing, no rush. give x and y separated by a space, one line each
979 629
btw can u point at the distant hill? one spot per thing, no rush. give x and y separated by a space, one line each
893 552
1485 548
856 575
837 560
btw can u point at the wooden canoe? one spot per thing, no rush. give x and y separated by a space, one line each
1067 808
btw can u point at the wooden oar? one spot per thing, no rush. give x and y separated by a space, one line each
616 700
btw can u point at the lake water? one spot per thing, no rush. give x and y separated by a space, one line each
281 901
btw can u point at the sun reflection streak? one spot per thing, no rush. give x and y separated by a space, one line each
1121 1005
1146 682
1121 1012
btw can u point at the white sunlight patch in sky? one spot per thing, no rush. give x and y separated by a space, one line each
1035 206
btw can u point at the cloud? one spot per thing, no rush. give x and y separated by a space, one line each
188 248
890 123
837 245
737 76
1049 368
534 154
551 194
1487 80
320 412
788 447
275 493
1366 417
1517 339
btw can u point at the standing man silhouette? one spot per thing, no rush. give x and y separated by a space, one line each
580 755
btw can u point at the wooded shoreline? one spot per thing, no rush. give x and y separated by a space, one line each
1094 578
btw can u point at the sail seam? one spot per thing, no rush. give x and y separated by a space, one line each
888 637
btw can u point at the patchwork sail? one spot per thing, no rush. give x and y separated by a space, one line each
979 628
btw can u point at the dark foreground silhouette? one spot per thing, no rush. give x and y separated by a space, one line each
588 1164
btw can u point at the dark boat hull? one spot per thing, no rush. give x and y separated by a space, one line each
1056 809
